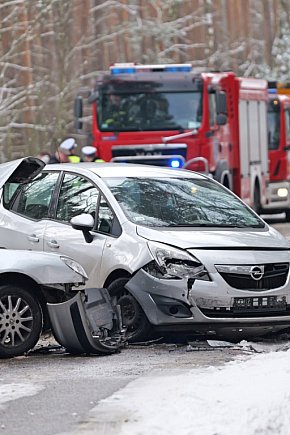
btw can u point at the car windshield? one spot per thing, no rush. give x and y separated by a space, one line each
150 111
181 202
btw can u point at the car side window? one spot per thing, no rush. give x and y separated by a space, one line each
105 218
77 195
33 200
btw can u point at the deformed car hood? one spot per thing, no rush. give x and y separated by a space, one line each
267 238
20 170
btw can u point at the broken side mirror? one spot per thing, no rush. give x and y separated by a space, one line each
85 223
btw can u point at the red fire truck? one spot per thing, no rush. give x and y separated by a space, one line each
172 115
279 148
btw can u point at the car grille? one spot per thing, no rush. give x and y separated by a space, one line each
275 275
223 312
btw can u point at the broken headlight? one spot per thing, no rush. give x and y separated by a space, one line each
171 262
76 267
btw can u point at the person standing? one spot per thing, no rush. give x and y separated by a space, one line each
89 154
65 152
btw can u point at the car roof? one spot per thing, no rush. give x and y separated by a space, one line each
107 170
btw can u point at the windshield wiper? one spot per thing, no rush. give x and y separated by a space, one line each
211 225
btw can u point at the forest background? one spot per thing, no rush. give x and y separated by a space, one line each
52 50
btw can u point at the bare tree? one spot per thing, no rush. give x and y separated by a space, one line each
50 49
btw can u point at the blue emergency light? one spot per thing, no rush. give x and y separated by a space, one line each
272 91
132 69
121 70
175 163
178 68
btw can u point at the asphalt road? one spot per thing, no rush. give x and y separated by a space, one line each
53 392
50 392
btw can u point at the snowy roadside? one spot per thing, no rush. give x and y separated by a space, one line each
248 396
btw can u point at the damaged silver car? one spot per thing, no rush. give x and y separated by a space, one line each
30 282
176 249
27 281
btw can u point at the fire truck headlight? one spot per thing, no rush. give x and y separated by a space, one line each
282 192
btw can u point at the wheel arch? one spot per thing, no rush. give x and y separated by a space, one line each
223 175
118 273
256 195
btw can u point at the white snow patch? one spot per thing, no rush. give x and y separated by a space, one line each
10 392
245 397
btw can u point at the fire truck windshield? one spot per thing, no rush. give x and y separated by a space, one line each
273 118
149 111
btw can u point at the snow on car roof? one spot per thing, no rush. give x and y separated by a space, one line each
105 170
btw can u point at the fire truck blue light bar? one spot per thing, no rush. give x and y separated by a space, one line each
132 69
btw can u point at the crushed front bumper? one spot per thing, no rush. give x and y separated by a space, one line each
88 323
206 307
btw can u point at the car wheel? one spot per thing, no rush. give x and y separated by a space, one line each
20 321
133 317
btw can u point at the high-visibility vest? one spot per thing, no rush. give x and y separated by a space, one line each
74 159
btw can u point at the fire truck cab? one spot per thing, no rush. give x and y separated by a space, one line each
173 115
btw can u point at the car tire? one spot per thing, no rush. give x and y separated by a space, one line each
21 321
287 215
257 200
133 317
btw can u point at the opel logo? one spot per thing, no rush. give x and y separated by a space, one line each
257 272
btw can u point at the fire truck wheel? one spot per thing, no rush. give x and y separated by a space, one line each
257 199
287 213
134 318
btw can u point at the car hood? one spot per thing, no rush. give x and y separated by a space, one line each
266 238
20 170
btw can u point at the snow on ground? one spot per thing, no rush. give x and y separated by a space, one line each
17 390
249 396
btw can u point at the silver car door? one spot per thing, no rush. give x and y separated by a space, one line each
24 213
77 195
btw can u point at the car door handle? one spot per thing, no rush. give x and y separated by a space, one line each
33 238
53 244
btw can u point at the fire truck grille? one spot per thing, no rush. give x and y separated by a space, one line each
275 275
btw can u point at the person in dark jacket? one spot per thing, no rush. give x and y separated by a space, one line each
65 152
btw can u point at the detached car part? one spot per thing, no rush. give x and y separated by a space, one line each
88 323
28 280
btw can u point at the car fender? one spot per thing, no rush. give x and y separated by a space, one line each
44 268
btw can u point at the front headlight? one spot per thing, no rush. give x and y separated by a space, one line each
175 263
75 266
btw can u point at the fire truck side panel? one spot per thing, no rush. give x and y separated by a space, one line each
245 189
253 141
279 154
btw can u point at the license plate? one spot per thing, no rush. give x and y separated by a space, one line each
260 304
